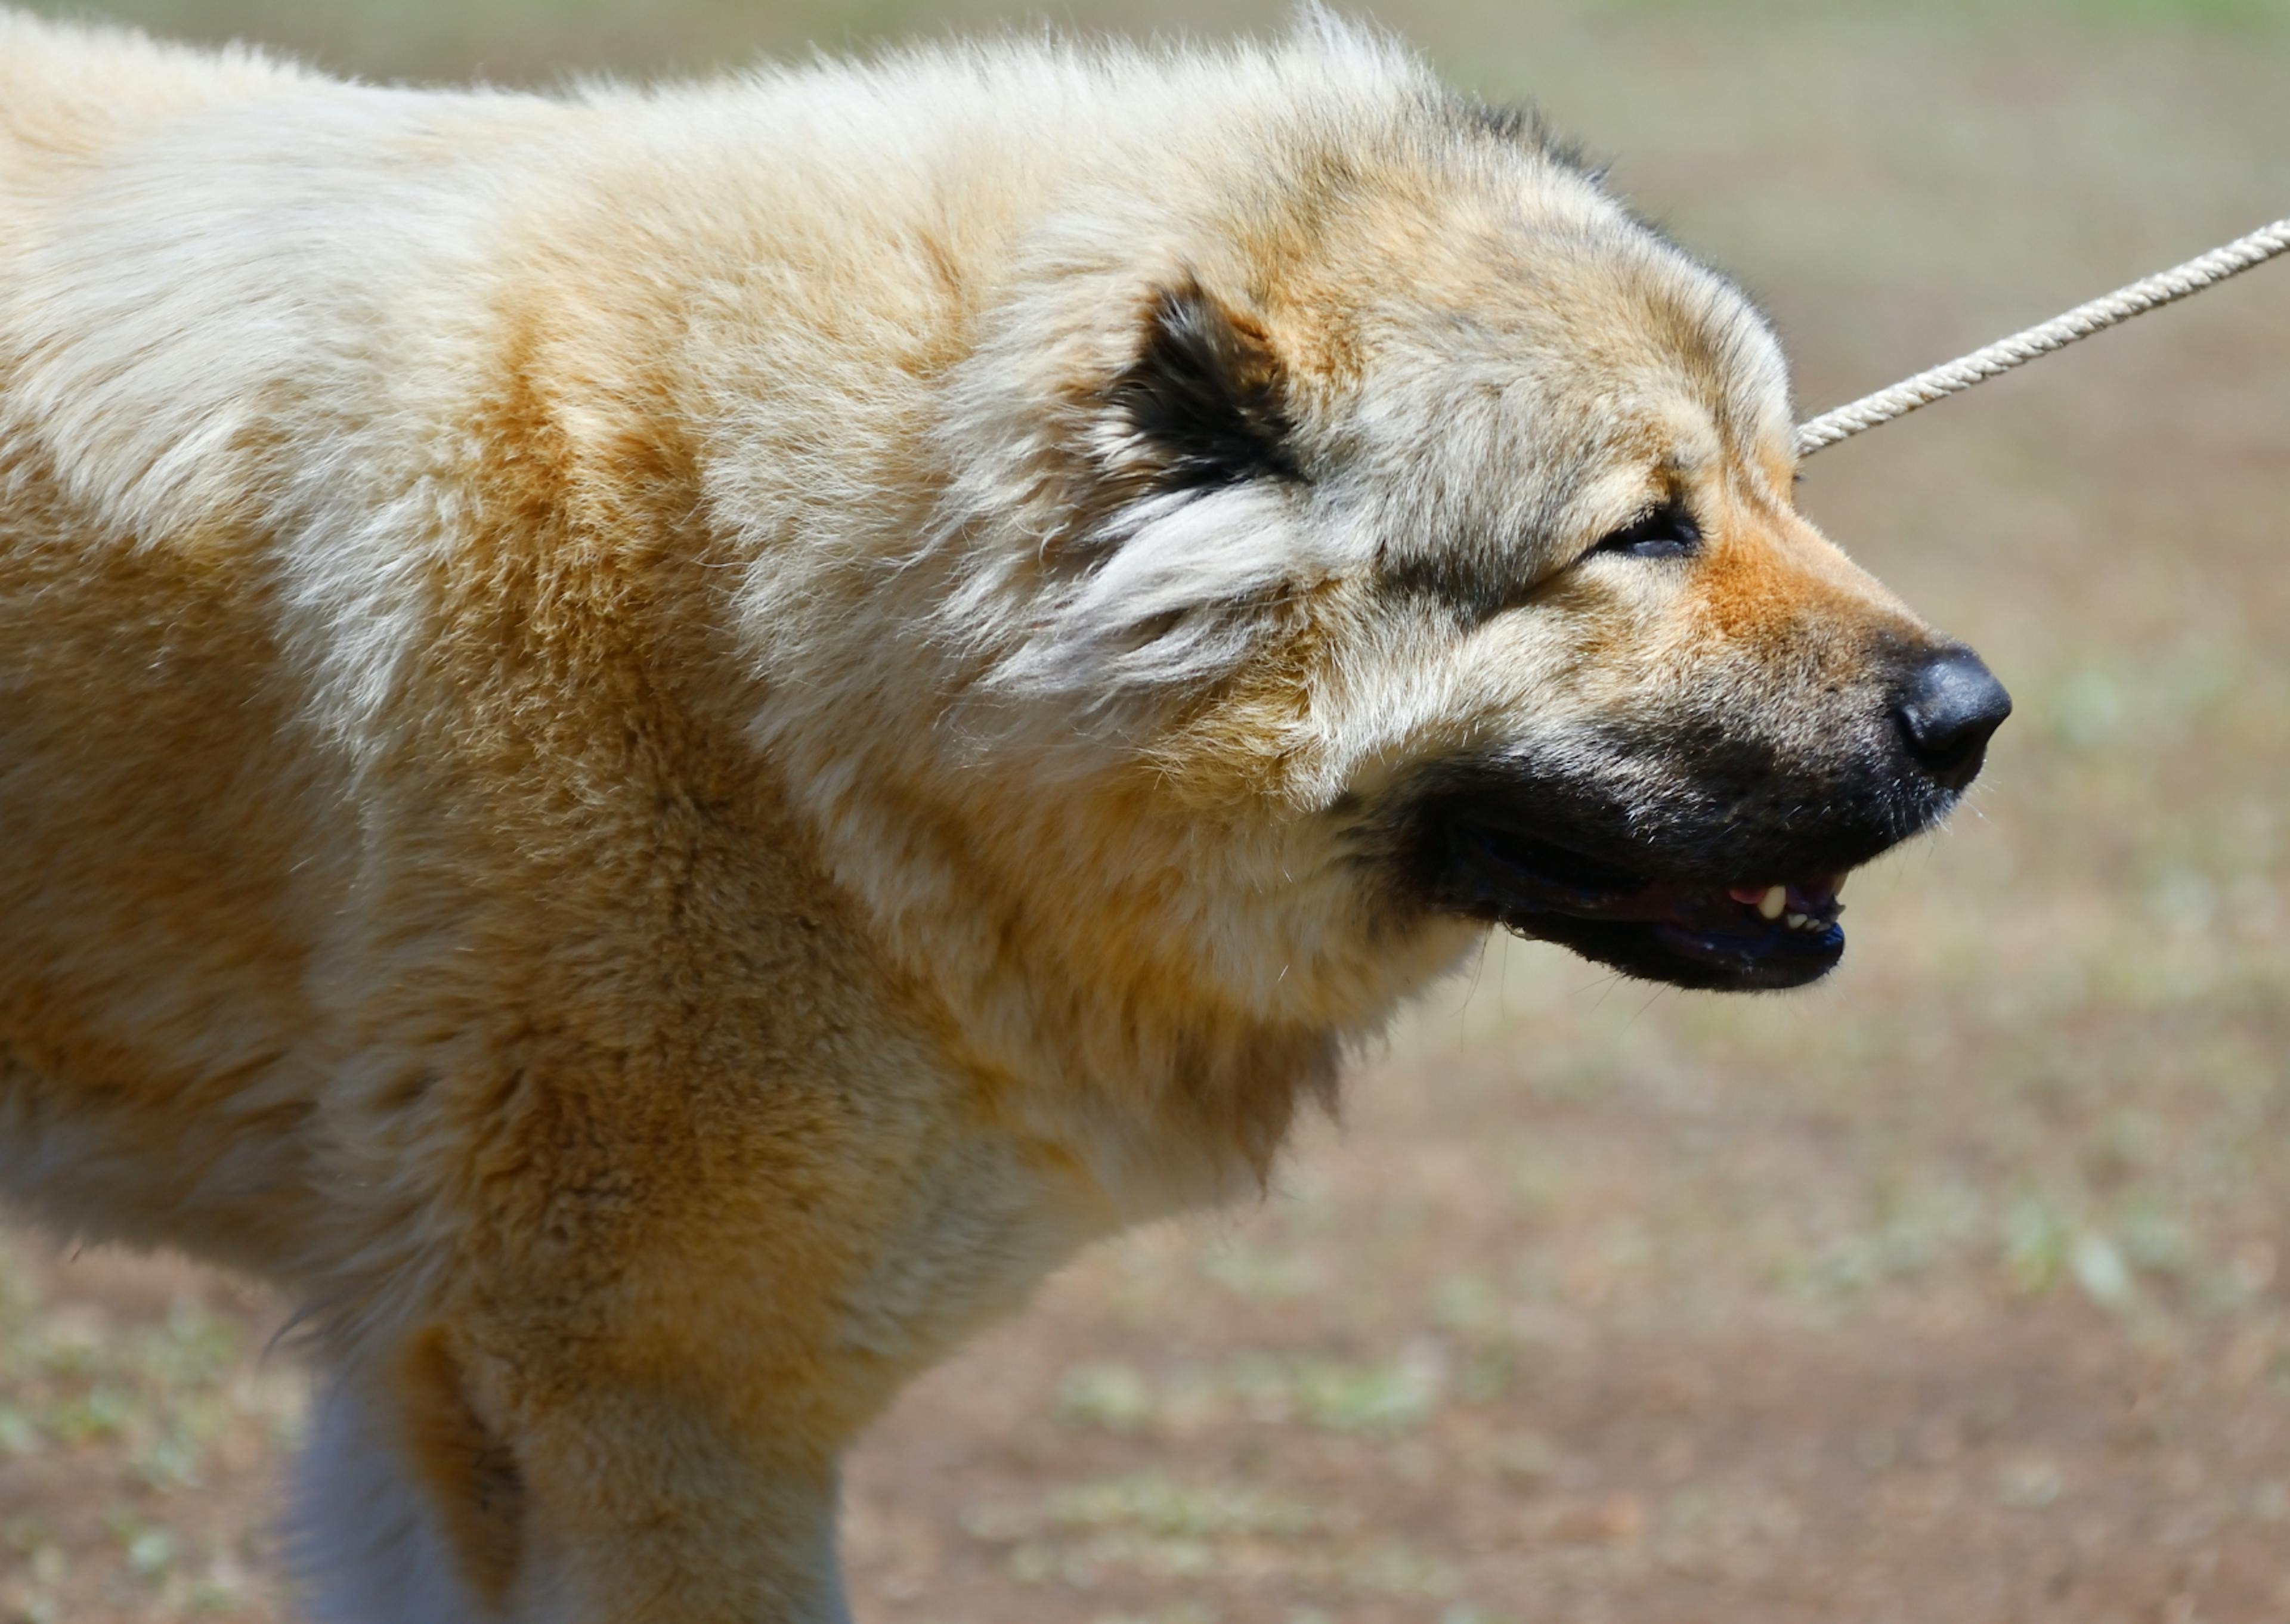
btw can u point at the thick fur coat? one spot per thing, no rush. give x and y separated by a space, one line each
655 745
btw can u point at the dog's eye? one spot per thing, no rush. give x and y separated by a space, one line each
1666 532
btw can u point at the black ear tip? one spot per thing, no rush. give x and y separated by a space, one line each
1207 395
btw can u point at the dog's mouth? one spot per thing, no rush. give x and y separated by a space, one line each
1749 932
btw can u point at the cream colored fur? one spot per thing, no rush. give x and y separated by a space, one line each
612 770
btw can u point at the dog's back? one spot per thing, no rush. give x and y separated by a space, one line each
68 93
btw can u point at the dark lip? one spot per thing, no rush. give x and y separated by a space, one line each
1688 931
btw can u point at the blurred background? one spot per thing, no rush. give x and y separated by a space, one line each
1955 1289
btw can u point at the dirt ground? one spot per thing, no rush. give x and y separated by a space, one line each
1954 1290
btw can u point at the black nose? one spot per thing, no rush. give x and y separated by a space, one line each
1951 706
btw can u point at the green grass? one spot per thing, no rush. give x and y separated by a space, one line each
150 1426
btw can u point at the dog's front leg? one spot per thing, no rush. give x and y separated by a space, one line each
469 1478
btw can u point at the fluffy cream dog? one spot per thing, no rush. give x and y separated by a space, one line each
653 746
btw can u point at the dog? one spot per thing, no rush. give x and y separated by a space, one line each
655 744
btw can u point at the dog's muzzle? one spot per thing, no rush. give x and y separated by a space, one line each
1729 879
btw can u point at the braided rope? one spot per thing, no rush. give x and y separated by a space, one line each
2001 356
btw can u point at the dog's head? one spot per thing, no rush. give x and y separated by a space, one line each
1423 504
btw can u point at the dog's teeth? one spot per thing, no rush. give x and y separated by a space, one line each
1798 922
1776 898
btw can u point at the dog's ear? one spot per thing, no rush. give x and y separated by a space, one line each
1205 401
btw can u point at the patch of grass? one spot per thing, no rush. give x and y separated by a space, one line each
1260 1273
1332 1394
1117 1398
1150 1503
151 1414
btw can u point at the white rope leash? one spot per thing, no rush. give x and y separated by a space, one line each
2001 356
